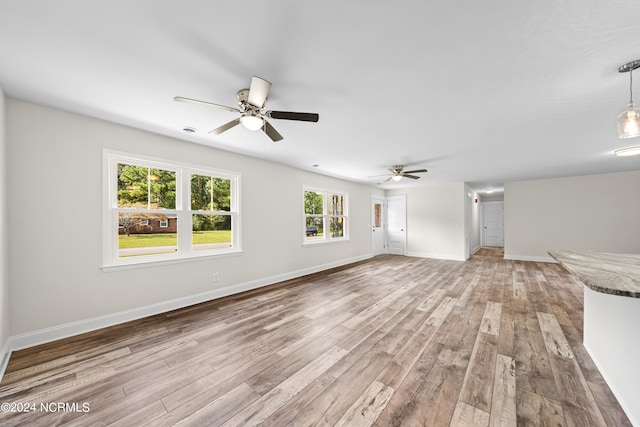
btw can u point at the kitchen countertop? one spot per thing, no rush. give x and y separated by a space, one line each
609 273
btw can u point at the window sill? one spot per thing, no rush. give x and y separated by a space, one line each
165 261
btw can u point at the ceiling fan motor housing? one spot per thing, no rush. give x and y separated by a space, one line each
243 97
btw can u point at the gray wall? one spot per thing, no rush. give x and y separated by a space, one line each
55 207
5 329
435 220
585 213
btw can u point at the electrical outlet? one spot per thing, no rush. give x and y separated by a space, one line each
216 277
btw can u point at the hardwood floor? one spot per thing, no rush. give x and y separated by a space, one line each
393 341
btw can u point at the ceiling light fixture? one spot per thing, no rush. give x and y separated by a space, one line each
252 121
628 151
396 178
628 122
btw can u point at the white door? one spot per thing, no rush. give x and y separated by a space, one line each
493 224
377 224
396 224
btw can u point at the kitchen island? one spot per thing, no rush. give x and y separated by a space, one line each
611 319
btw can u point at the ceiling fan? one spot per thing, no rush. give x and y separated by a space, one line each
251 108
398 172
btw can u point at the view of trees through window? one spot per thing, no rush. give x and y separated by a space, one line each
210 194
314 210
324 211
148 213
146 196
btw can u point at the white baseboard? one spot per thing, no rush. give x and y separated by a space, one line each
30 339
435 256
629 411
530 258
4 356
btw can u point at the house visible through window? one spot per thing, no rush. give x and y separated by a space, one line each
325 215
162 210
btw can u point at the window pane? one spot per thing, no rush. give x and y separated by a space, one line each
146 188
336 204
142 234
209 193
336 226
314 228
312 203
378 215
211 232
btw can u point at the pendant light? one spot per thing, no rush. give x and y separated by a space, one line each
628 122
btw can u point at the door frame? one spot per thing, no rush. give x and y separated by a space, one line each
403 198
385 222
482 227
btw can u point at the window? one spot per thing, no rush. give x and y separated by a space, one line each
158 210
210 212
325 216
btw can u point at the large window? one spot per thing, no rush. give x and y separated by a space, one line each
325 215
157 210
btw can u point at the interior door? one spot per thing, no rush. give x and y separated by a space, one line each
377 225
396 224
493 224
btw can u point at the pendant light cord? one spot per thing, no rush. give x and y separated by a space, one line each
631 86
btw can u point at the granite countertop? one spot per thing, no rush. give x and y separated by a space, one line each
616 274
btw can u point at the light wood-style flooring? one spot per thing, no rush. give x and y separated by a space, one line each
392 341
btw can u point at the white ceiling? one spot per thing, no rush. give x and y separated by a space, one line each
484 92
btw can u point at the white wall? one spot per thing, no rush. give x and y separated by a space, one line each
586 213
435 220
4 273
55 212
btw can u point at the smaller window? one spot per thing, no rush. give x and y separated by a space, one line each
325 216
163 223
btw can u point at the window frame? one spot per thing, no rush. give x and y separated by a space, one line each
182 212
326 216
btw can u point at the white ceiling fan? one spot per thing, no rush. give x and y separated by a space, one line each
251 108
398 172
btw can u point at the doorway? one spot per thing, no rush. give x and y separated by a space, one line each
388 224
492 224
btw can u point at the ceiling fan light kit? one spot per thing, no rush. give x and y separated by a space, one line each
628 122
252 113
252 121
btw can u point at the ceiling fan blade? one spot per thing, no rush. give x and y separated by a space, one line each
258 92
388 179
290 115
205 103
225 127
271 132
410 176
417 171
